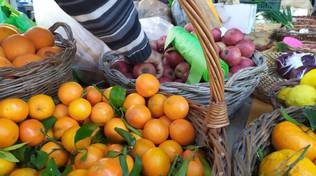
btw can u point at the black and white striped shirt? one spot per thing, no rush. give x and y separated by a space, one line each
115 22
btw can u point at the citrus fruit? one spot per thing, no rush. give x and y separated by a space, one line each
301 95
40 37
165 120
106 167
101 113
171 148
133 99
147 85
176 107
78 172
155 162
155 105
50 133
142 146
182 131
56 152
283 93
24 172
14 109
41 106
23 60
2 54
191 155
17 45
62 125
32 132
69 91
92 155
6 167
101 146
48 51
68 140
138 115
106 94
93 95
61 110
156 131
309 78
136 136
109 129
195 168
9 132
115 147
5 62
79 109
7 30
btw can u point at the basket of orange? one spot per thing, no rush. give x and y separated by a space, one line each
34 62
278 143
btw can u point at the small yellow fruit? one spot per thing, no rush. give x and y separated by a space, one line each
301 95
283 93
309 78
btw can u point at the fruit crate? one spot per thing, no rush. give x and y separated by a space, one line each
264 5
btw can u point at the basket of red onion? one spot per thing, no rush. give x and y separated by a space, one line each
237 52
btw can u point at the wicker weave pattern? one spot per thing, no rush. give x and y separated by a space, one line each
41 77
257 136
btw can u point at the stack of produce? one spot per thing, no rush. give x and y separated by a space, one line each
93 132
18 50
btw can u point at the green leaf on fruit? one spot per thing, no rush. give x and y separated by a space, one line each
99 137
14 147
137 166
183 169
49 123
39 159
113 154
51 169
134 130
84 155
310 115
67 170
123 164
206 166
8 156
287 117
127 136
86 130
23 154
117 96
173 165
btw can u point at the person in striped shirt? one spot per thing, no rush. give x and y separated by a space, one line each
116 23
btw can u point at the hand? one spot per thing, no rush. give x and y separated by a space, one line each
156 59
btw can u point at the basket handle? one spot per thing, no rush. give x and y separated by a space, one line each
217 109
66 28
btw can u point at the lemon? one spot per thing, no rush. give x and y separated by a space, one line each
283 93
309 78
301 95
271 164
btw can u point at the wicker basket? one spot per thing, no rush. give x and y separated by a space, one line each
258 136
41 77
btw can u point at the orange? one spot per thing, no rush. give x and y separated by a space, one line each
101 113
106 94
133 99
79 109
136 136
69 91
78 172
109 129
171 148
156 131
191 155
106 167
41 106
40 37
4 62
182 131
138 115
165 120
155 105
24 172
50 133
6 167
61 110
23 60
93 154
14 109
176 107
147 85
129 162
101 146
56 152
155 162
2 54
48 51
32 132
68 140
9 133
142 146
93 95
195 168
62 125
115 147
17 45
7 30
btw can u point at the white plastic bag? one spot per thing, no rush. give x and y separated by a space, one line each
155 27
89 48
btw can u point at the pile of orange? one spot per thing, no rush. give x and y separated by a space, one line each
157 124
18 50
